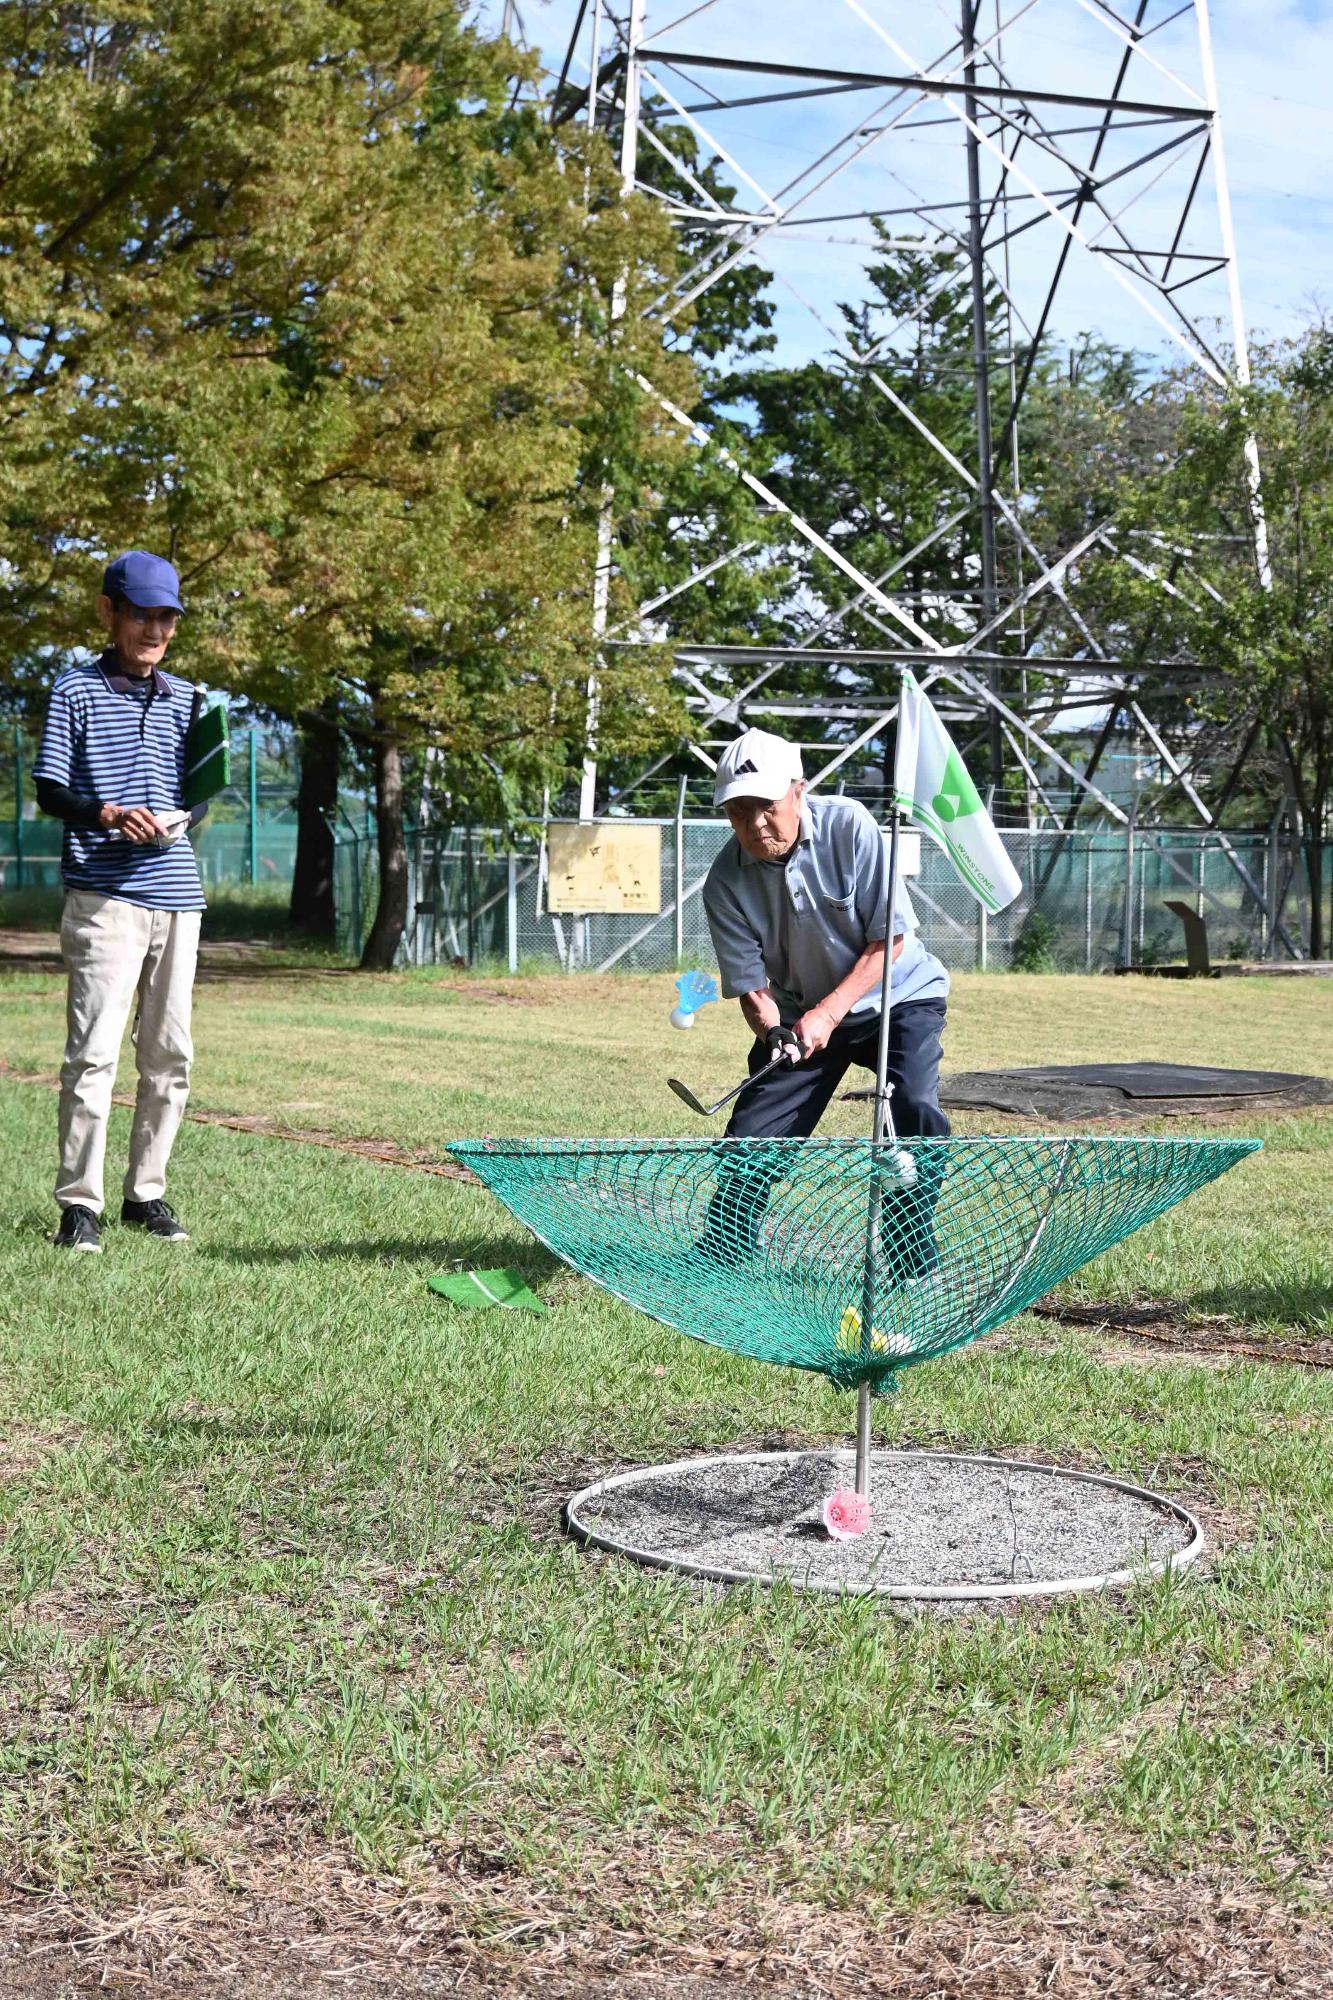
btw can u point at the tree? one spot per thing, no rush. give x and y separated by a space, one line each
694 510
302 296
1181 579
1269 635
871 484
312 908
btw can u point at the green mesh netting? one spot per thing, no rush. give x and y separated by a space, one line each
836 1254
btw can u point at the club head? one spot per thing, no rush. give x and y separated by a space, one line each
686 1095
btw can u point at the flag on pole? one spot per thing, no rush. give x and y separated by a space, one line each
930 782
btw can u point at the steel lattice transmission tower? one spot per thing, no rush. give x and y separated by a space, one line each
1070 151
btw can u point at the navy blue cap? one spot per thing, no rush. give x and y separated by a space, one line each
148 581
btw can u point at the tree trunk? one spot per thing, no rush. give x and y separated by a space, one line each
312 907
391 914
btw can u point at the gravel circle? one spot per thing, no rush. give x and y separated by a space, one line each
942 1525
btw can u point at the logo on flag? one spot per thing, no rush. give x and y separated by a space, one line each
931 782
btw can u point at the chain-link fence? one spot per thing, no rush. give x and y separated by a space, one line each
1091 900
249 835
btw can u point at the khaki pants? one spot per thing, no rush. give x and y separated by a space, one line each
115 951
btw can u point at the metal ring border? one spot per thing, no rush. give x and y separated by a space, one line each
936 1593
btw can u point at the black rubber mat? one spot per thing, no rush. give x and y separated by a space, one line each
1143 1090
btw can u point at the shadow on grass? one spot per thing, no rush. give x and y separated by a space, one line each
484 1253
263 1426
1303 1305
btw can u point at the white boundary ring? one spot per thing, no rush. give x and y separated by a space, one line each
953 1593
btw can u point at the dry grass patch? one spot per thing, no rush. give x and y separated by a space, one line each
276 1918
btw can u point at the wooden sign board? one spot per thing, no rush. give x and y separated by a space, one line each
610 866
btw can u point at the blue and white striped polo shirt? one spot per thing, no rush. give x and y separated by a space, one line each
122 741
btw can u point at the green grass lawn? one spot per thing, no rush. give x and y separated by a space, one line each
286 1612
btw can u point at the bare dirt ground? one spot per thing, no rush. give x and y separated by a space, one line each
387 1152
1160 1322
304 1926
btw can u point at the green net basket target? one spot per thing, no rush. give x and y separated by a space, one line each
845 1256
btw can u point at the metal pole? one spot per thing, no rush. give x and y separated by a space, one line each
981 365
1239 340
882 1126
511 912
254 806
863 1440
881 1133
1274 865
470 891
680 874
601 581
1087 907
983 931
1127 914
18 807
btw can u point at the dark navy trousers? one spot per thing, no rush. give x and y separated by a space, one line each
793 1097
788 1103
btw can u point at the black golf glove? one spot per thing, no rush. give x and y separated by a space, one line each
784 1045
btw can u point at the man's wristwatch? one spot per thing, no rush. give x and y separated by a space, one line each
784 1045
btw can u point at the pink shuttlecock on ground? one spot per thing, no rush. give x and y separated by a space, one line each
846 1514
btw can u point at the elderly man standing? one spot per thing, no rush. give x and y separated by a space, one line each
797 907
112 767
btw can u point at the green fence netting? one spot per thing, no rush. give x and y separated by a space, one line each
839 1255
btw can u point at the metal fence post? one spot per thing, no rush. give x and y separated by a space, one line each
1087 905
470 890
1270 886
254 805
983 931
1127 914
680 875
18 807
356 897
410 943
511 911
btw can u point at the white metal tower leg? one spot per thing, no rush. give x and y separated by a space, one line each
1239 336
601 586
978 99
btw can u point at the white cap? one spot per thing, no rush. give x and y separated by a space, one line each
756 766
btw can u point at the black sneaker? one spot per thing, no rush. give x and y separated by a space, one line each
78 1230
157 1217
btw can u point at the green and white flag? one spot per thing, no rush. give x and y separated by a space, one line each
930 782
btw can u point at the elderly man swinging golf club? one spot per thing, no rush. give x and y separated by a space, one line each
796 904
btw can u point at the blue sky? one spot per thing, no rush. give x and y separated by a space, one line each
1275 80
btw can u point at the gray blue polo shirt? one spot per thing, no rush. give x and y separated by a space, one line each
799 925
115 740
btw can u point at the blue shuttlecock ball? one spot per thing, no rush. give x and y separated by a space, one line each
696 989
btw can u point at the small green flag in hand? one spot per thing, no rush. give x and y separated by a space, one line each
487 1288
207 751
931 782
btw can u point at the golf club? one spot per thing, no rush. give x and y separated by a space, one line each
687 1096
